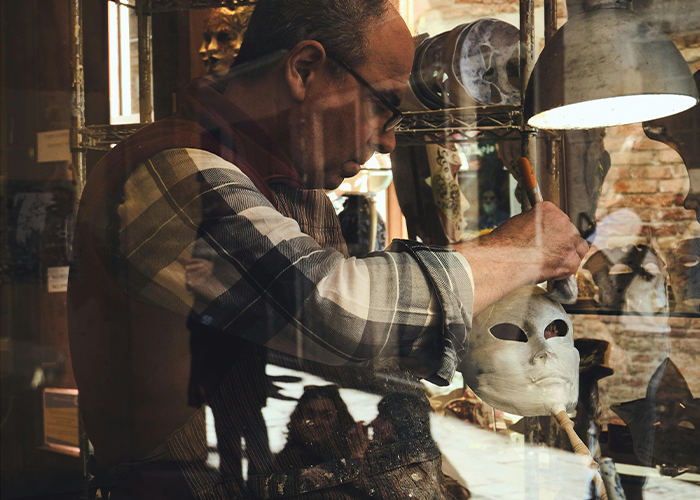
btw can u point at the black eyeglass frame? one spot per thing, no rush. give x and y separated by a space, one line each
396 114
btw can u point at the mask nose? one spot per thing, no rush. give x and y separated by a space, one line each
213 45
542 353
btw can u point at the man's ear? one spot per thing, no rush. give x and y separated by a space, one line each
302 67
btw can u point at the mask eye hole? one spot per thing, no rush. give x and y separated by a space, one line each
620 269
508 331
688 260
652 268
557 328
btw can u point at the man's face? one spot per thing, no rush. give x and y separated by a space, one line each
341 123
320 420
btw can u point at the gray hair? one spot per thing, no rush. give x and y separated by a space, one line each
340 26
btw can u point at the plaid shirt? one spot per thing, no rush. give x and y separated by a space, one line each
266 281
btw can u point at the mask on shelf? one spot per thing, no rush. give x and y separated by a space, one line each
631 278
684 269
223 35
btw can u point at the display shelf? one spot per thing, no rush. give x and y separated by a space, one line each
628 464
439 126
151 6
103 137
606 311
456 124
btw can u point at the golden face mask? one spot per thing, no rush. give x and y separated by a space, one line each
223 35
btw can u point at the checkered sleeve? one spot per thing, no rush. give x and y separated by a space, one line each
198 238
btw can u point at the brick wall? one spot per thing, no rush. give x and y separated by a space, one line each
644 190
436 16
639 345
648 179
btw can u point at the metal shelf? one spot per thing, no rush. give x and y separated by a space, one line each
102 137
455 124
604 311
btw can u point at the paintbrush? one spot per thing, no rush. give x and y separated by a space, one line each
564 291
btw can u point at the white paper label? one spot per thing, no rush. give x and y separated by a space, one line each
58 279
53 146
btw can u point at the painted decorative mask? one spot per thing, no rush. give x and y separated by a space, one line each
684 268
632 278
521 356
223 34
486 63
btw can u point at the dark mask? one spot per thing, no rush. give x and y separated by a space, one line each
631 278
684 269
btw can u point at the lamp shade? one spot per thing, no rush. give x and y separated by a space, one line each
607 67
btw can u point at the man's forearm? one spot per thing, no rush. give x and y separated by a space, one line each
496 270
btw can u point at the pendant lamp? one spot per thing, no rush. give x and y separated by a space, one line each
605 67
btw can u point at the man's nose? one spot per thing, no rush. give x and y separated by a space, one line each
384 142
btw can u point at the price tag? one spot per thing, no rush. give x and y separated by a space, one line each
61 422
57 279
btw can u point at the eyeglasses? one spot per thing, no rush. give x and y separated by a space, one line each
396 115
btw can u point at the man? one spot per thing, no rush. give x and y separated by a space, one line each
208 248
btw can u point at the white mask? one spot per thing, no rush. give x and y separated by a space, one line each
521 356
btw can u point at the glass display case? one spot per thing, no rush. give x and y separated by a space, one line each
89 75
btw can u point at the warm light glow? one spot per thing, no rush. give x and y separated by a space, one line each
125 61
612 111
113 29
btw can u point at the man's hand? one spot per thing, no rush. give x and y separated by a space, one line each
530 248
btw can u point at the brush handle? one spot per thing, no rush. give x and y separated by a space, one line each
567 289
529 182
